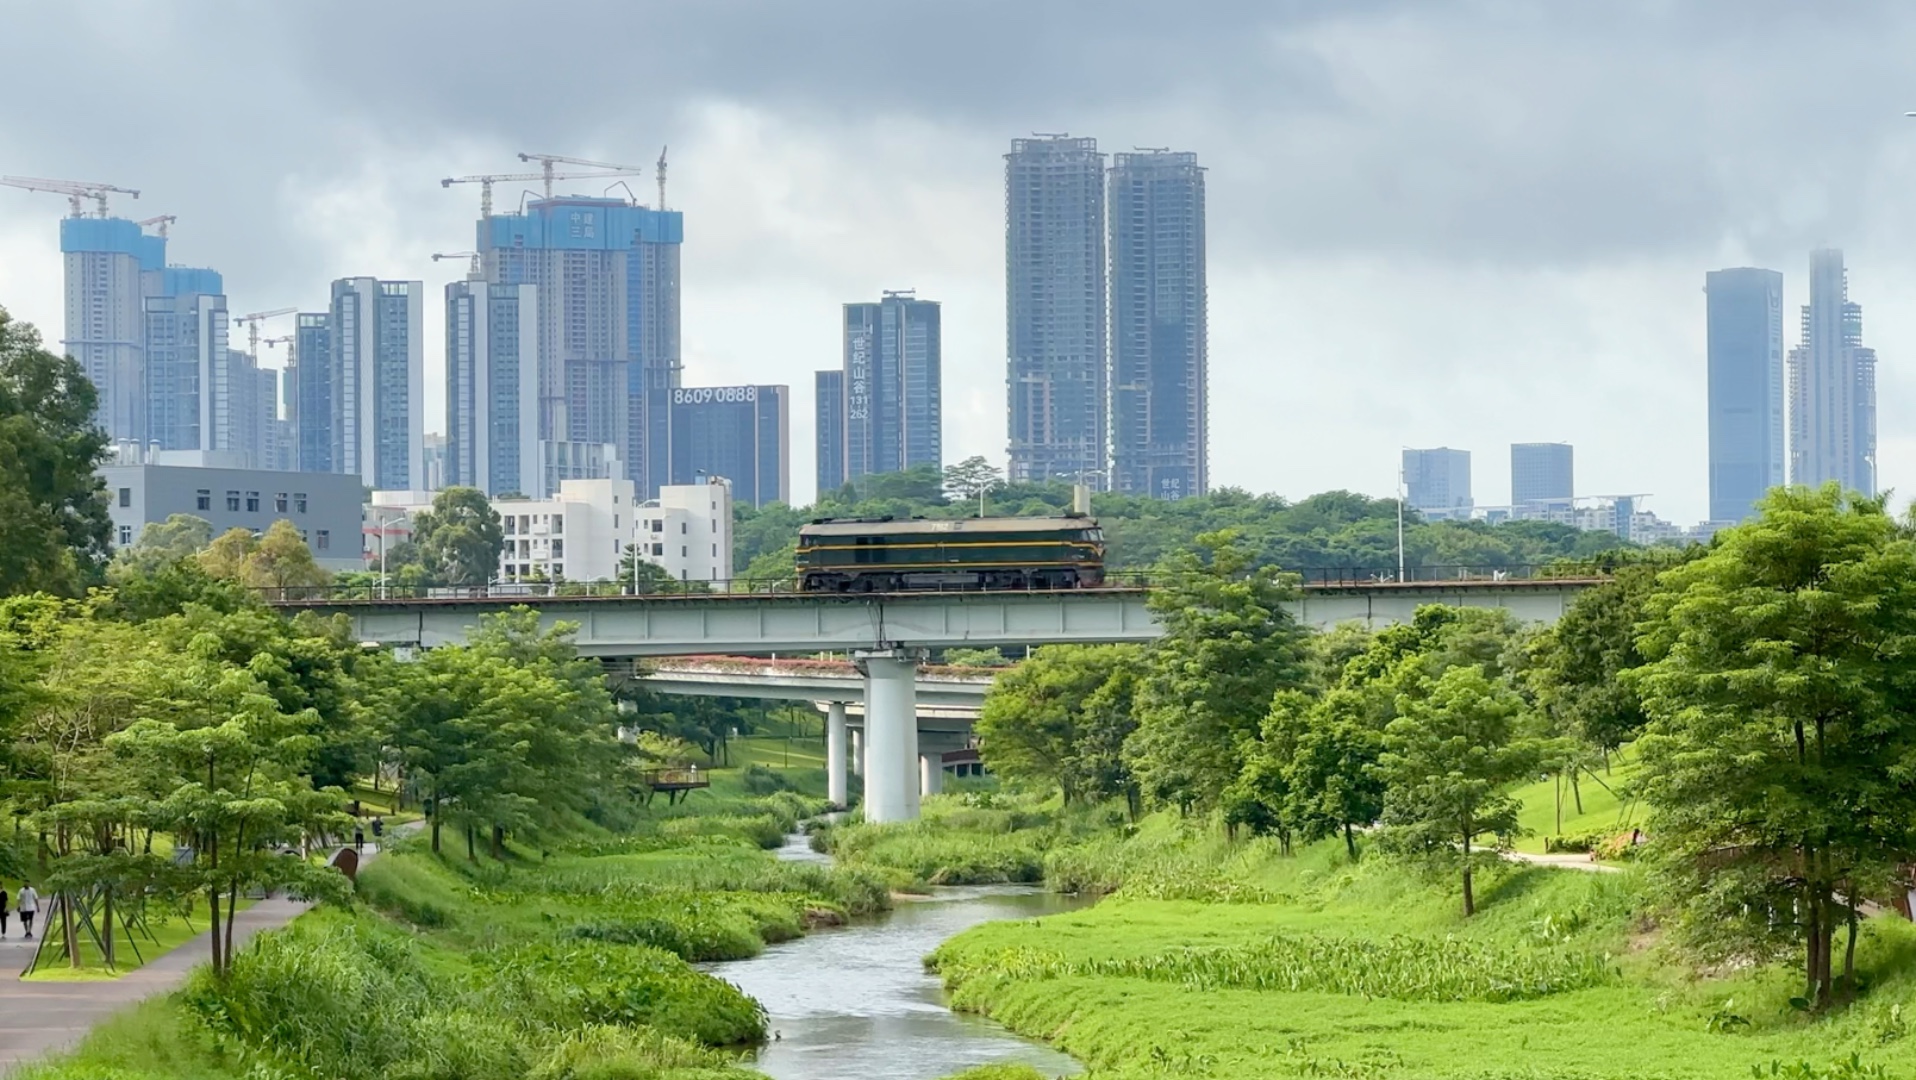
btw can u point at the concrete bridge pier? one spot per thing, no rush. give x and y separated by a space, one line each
837 785
931 773
891 734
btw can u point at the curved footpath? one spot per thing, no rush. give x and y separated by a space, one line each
40 1018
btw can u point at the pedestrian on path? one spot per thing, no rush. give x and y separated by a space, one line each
29 905
3 911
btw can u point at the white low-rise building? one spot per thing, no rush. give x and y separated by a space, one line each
577 535
688 530
580 534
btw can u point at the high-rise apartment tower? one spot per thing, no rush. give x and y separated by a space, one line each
893 385
829 430
1159 409
1832 378
1745 327
492 373
1055 318
607 274
379 368
111 267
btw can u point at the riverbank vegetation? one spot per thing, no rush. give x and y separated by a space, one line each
1313 873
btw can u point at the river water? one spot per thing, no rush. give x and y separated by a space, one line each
855 1002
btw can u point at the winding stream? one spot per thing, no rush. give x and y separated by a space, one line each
856 1002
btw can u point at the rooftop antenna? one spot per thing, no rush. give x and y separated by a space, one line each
662 151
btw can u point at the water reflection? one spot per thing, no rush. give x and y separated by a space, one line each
856 1002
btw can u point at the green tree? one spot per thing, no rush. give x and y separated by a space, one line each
1449 761
1331 772
513 731
460 539
225 558
968 482
1061 717
162 544
1229 644
54 528
282 561
1578 664
1782 724
650 576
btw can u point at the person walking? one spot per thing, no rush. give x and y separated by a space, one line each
29 905
3 911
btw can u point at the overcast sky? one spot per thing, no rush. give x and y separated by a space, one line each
1431 223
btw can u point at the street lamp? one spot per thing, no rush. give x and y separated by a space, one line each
379 522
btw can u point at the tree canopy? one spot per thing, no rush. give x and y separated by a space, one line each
460 539
54 528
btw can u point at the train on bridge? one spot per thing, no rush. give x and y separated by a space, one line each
885 555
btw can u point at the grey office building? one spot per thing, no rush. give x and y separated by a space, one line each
829 430
1437 482
492 378
1832 407
1542 476
1160 423
378 360
893 407
1745 359
325 507
1055 310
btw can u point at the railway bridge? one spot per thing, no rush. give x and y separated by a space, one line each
887 636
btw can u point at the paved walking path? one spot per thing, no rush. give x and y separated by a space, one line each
39 1018
1564 860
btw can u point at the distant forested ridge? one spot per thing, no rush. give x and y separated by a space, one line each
1334 530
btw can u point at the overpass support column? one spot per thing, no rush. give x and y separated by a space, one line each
891 734
931 773
837 790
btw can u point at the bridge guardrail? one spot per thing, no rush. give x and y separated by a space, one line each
1318 577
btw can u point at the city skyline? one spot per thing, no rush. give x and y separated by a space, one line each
1349 290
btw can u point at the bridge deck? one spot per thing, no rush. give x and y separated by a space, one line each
762 623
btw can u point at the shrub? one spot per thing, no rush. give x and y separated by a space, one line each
560 984
761 780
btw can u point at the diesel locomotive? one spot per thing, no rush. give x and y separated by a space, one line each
886 555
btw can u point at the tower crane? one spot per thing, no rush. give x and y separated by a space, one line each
662 151
162 221
74 190
546 161
252 322
474 272
486 180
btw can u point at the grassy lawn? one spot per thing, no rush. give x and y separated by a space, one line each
1553 979
778 752
1603 810
171 930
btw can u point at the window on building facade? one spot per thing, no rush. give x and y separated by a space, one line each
558 524
615 521
126 496
299 502
325 540
252 502
558 549
684 527
658 551
203 499
682 553
279 503
232 501
126 535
